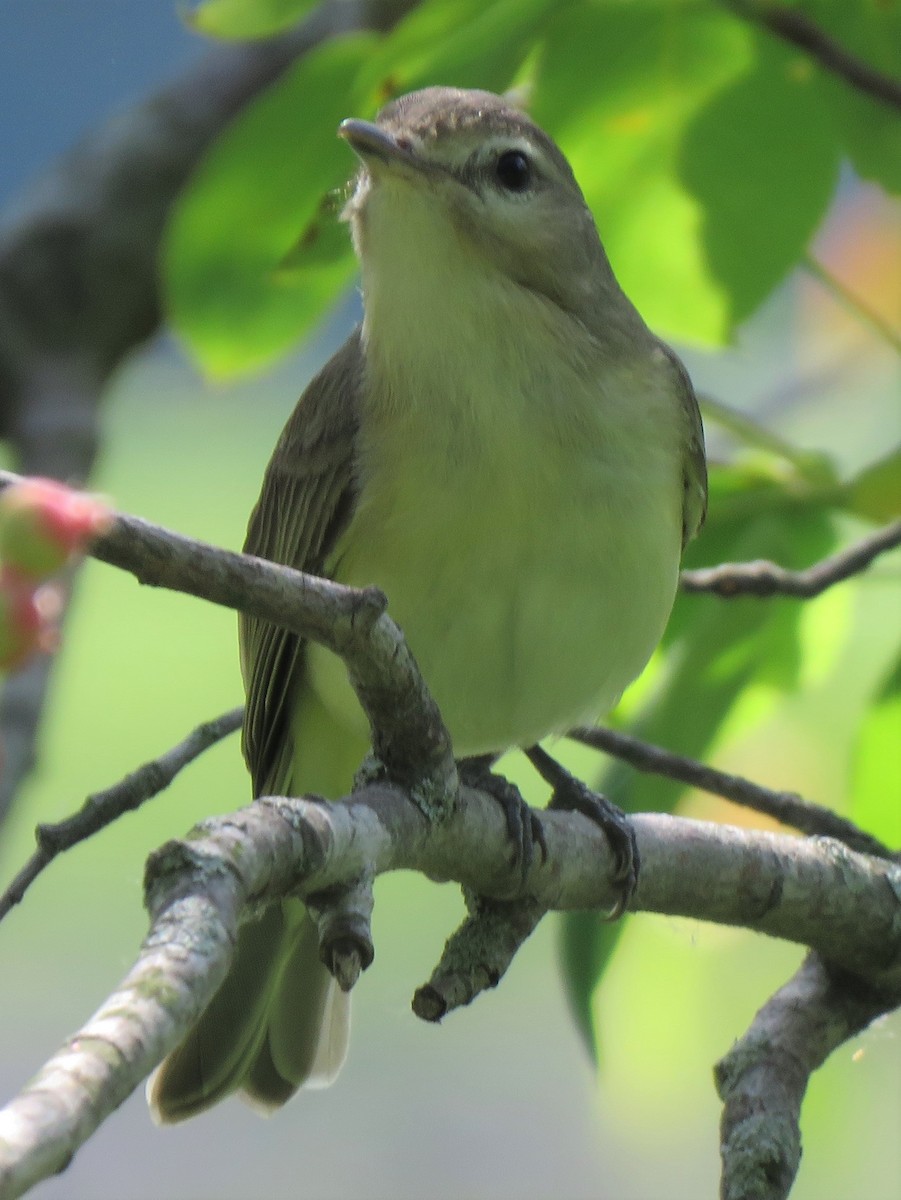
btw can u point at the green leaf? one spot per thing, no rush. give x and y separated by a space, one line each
715 652
868 128
585 947
876 492
247 268
616 84
762 160
241 19
876 793
869 133
459 43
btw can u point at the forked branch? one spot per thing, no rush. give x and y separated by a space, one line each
847 906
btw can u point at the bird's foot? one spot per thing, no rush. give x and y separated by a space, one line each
572 795
523 824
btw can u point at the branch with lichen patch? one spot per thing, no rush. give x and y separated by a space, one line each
409 738
413 816
763 1078
813 892
478 954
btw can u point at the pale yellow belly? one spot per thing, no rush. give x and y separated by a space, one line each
527 611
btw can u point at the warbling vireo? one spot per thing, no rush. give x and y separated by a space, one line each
503 448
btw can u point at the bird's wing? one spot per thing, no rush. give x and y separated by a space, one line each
694 458
306 501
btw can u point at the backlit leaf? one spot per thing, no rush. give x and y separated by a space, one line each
876 491
254 207
876 788
616 85
246 18
762 160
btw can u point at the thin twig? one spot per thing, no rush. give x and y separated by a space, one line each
795 27
787 807
158 557
764 578
102 808
858 308
753 433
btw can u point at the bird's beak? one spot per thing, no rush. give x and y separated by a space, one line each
372 143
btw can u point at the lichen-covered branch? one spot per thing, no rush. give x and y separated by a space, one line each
408 812
409 737
477 955
343 917
847 906
763 1078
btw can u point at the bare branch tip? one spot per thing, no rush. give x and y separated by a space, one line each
428 1004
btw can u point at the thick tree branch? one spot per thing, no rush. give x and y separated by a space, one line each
846 906
354 625
796 27
102 808
787 807
763 579
763 1078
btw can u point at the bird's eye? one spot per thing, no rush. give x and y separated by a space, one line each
513 171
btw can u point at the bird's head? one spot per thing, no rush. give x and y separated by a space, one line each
462 177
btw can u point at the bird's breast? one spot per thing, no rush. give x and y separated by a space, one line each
532 570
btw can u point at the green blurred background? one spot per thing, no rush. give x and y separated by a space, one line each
502 1100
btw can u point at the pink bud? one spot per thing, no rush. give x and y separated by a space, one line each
43 524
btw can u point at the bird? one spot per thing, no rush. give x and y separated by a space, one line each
509 453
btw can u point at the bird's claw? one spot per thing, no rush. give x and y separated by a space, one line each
618 829
572 795
523 823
